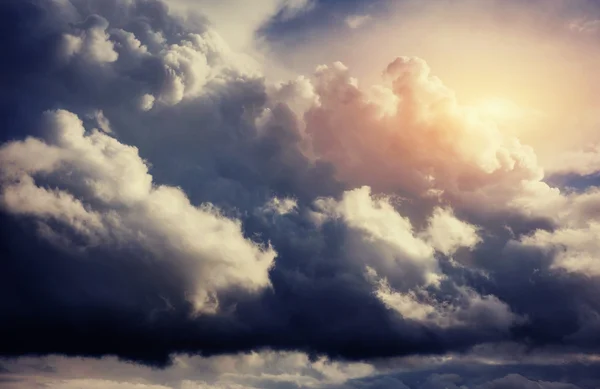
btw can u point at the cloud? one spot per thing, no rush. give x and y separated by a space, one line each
118 204
518 381
253 370
430 145
384 241
92 42
147 102
240 21
584 26
446 233
470 308
100 384
163 198
571 246
456 381
580 162
356 21
291 8
383 236
573 250
276 370
281 206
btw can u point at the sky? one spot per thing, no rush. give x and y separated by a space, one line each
284 194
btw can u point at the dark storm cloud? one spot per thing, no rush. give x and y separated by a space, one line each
106 303
201 134
316 306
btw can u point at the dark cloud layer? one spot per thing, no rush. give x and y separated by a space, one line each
211 131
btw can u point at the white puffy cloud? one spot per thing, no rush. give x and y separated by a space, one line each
129 41
574 244
581 162
101 190
194 62
411 137
187 70
92 42
299 95
415 137
386 243
146 102
469 307
191 63
572 249
380 236
446 233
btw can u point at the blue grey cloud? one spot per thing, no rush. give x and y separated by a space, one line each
160 197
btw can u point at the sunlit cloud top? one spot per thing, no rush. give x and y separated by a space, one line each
299 194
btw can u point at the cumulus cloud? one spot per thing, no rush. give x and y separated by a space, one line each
571 249
91 42
389 240
572 245
383 238
147 102
386 242
191 64
299 95
446 233
581 162
172 201
430 144
110 199
468 308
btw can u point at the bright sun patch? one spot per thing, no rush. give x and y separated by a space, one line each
321 194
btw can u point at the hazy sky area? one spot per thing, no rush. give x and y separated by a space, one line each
285 194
